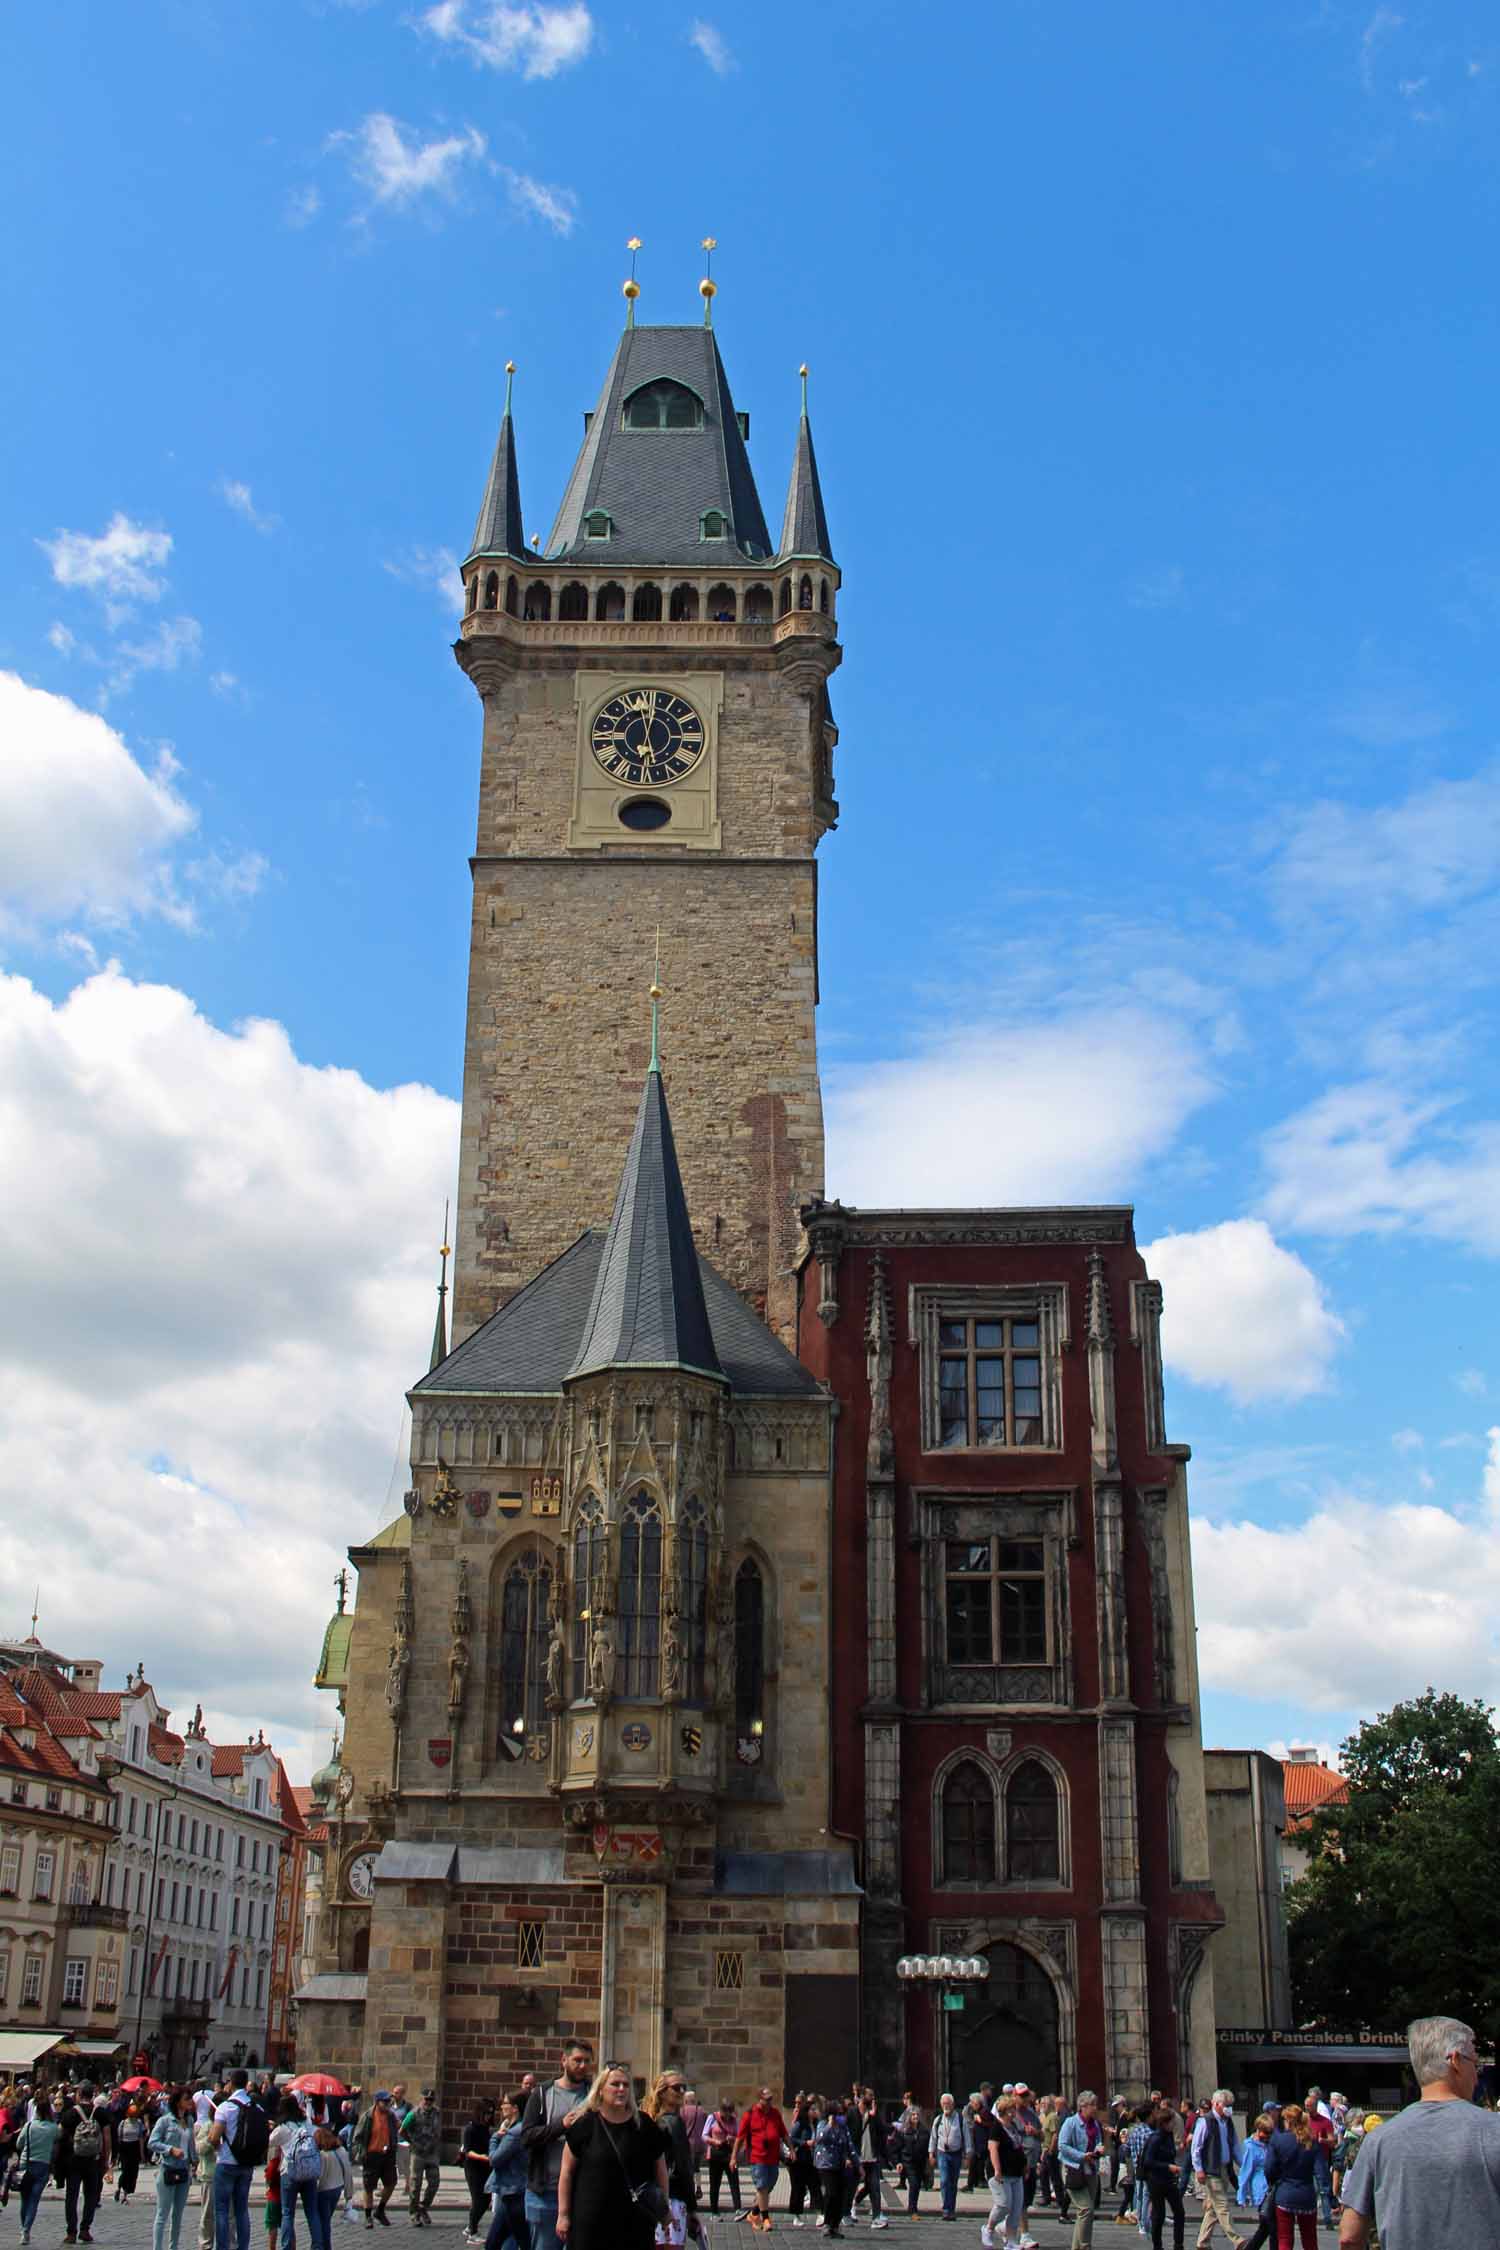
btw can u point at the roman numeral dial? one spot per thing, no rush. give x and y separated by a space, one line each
648 737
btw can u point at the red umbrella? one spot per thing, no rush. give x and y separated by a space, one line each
317 2082
142 2085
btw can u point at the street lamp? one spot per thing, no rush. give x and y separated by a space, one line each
111 1768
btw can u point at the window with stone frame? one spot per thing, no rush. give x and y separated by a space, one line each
589 1549
749 1651
729 1970
995 1598
692 1598
531 1945
75 1982
638 1609
995 1601
525 1599
31 1981
990 1367
967 1843
1033 1852
10 1870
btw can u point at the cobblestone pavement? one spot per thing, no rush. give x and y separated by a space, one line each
129 2226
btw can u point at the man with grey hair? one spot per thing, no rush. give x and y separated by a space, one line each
1214 2150
1431 2174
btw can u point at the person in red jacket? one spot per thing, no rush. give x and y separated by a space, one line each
762 2136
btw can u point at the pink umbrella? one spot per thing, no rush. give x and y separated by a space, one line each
317 2082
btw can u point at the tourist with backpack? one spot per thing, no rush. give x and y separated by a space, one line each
240 2137
294 2138
85 2160
423 2134
832 2155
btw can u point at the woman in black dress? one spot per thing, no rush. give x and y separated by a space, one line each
609 2155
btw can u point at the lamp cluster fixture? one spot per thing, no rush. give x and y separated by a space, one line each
943 1968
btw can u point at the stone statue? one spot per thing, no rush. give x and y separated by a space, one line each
458 1673
671 1662
601 1663
395 1676
557 1665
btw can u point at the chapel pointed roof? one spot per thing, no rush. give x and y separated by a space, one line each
648 1308
804 527
500 530
657 485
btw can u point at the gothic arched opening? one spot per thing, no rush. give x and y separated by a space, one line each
684 604
539 604
512 598
721 604
758 604
647 603
1009 2027
1031 1838
968 1826
492 590
609 602
573 602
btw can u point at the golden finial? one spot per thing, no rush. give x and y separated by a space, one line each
707 289
802 371
632 286
656 1006
510 376
536 539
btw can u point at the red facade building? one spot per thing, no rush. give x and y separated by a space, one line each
1014 1714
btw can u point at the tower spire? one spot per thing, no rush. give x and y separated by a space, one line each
707 287
632 286
440 1329
499 530
655 1063
804 527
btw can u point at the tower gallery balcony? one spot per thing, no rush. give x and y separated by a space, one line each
664 632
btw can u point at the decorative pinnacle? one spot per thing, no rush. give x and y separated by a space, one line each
632 286
707 287
802 371
655 1063
510 376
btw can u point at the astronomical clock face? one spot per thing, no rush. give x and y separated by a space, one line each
362 1875
648 736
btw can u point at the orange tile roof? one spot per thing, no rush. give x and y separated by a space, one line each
1307 1787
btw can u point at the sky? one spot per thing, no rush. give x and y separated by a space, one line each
1152 361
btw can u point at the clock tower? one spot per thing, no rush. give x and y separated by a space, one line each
656 764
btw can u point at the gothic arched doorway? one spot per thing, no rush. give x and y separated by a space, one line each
1008 2027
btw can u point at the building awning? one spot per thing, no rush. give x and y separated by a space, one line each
1301 2051
98 2046
18 2049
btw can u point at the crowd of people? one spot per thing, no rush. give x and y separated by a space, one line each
579 2163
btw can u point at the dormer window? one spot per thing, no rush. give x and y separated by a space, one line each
713 524
664 405
597 525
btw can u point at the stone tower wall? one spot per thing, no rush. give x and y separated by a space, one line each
561 953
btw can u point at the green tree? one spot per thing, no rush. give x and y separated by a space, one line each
1399 1912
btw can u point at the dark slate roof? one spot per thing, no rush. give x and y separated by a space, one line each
648 1308
500 530
657 484
530 1344
804 527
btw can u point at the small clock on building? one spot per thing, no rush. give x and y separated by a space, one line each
361 1877
648 735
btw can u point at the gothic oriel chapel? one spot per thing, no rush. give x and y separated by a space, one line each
630 1749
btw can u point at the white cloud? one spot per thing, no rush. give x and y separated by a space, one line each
1373 1158
1355 1605
557 205
1161 588
712 46
85 829
397 166
219 1269
537 41
1053 1112
1474 1383
224 683
435 569
1242 1313
1436 849
302 207
62 639
238 495
1407 1441
175 641
122 564
1381 27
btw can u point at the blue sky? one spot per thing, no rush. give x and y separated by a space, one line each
1152 359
